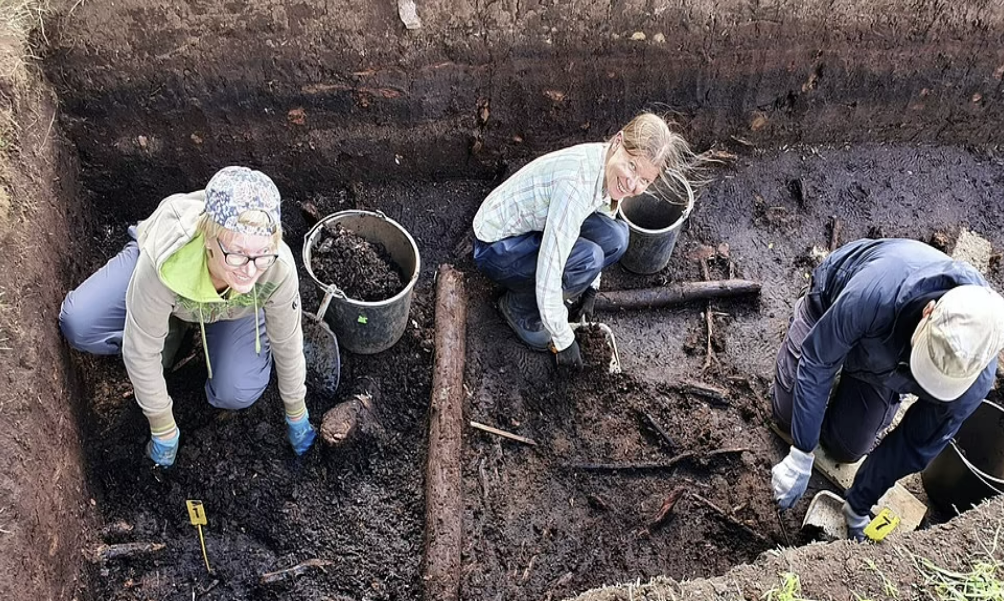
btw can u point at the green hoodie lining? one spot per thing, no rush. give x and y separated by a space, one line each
187 274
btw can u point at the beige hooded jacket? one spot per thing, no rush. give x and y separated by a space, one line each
171 279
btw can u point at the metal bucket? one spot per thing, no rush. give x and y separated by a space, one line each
654 225
970 469
366 327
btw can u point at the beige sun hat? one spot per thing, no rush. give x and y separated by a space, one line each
956 342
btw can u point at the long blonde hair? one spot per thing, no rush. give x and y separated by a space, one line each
650 136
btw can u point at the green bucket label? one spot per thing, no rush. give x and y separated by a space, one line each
363 319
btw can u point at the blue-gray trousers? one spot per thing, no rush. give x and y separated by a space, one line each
92 318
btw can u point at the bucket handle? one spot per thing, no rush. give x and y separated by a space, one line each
973 469
330 291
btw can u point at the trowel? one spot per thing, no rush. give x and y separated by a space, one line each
825 516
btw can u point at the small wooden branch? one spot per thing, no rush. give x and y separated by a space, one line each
664 512
835 226
444 503
655 426
125 551
709 319
651 466
297 570
503 433
728 518
712 393
674 294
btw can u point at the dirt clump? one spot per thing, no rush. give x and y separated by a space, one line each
363 270
594 346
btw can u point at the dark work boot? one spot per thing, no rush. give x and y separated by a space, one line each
522 316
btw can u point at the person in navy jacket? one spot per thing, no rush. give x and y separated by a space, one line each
882 318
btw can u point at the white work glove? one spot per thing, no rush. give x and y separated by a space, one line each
790 478
856 524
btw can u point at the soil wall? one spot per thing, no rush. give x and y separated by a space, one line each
159 94
44 512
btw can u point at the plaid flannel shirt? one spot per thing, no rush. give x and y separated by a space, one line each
552 194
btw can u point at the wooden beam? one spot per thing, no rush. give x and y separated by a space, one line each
444 504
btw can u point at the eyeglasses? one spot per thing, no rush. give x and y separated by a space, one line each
239 260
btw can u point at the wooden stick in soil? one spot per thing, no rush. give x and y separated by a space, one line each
655 426
728 518
297 570
125 551
675 294
709 356
664 512
648 466
443 491
712 393
503 433
835 226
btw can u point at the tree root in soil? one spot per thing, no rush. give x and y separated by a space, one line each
712 393
728 518
125 551
297 570
675 294
664 512
651 466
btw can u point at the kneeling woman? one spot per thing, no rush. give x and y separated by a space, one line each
213 258
549 230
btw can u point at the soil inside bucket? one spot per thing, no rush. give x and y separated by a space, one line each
363 270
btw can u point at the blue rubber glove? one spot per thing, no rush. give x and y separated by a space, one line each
856 523
163 451
301 433
790 478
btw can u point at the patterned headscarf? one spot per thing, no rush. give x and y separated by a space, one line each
235 190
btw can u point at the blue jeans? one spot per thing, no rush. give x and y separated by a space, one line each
92 318
512 262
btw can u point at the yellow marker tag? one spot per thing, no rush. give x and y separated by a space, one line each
884 523
196 513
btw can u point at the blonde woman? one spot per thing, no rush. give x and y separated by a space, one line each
549 230
215 259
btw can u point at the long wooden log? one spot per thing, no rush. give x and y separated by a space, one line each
443 491
674 294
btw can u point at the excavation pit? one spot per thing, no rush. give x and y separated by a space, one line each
347 109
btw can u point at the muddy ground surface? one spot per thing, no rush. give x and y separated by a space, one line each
537 525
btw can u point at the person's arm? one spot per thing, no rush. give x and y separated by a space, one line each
823 353
285 334
148 310
568 209
926 429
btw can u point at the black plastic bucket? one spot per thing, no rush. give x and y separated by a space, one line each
365 327
654 224
970 469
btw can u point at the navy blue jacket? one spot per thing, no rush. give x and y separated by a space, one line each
868 297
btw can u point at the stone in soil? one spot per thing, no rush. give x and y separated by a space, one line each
361 269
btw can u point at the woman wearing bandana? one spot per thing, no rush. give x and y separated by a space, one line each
213 258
